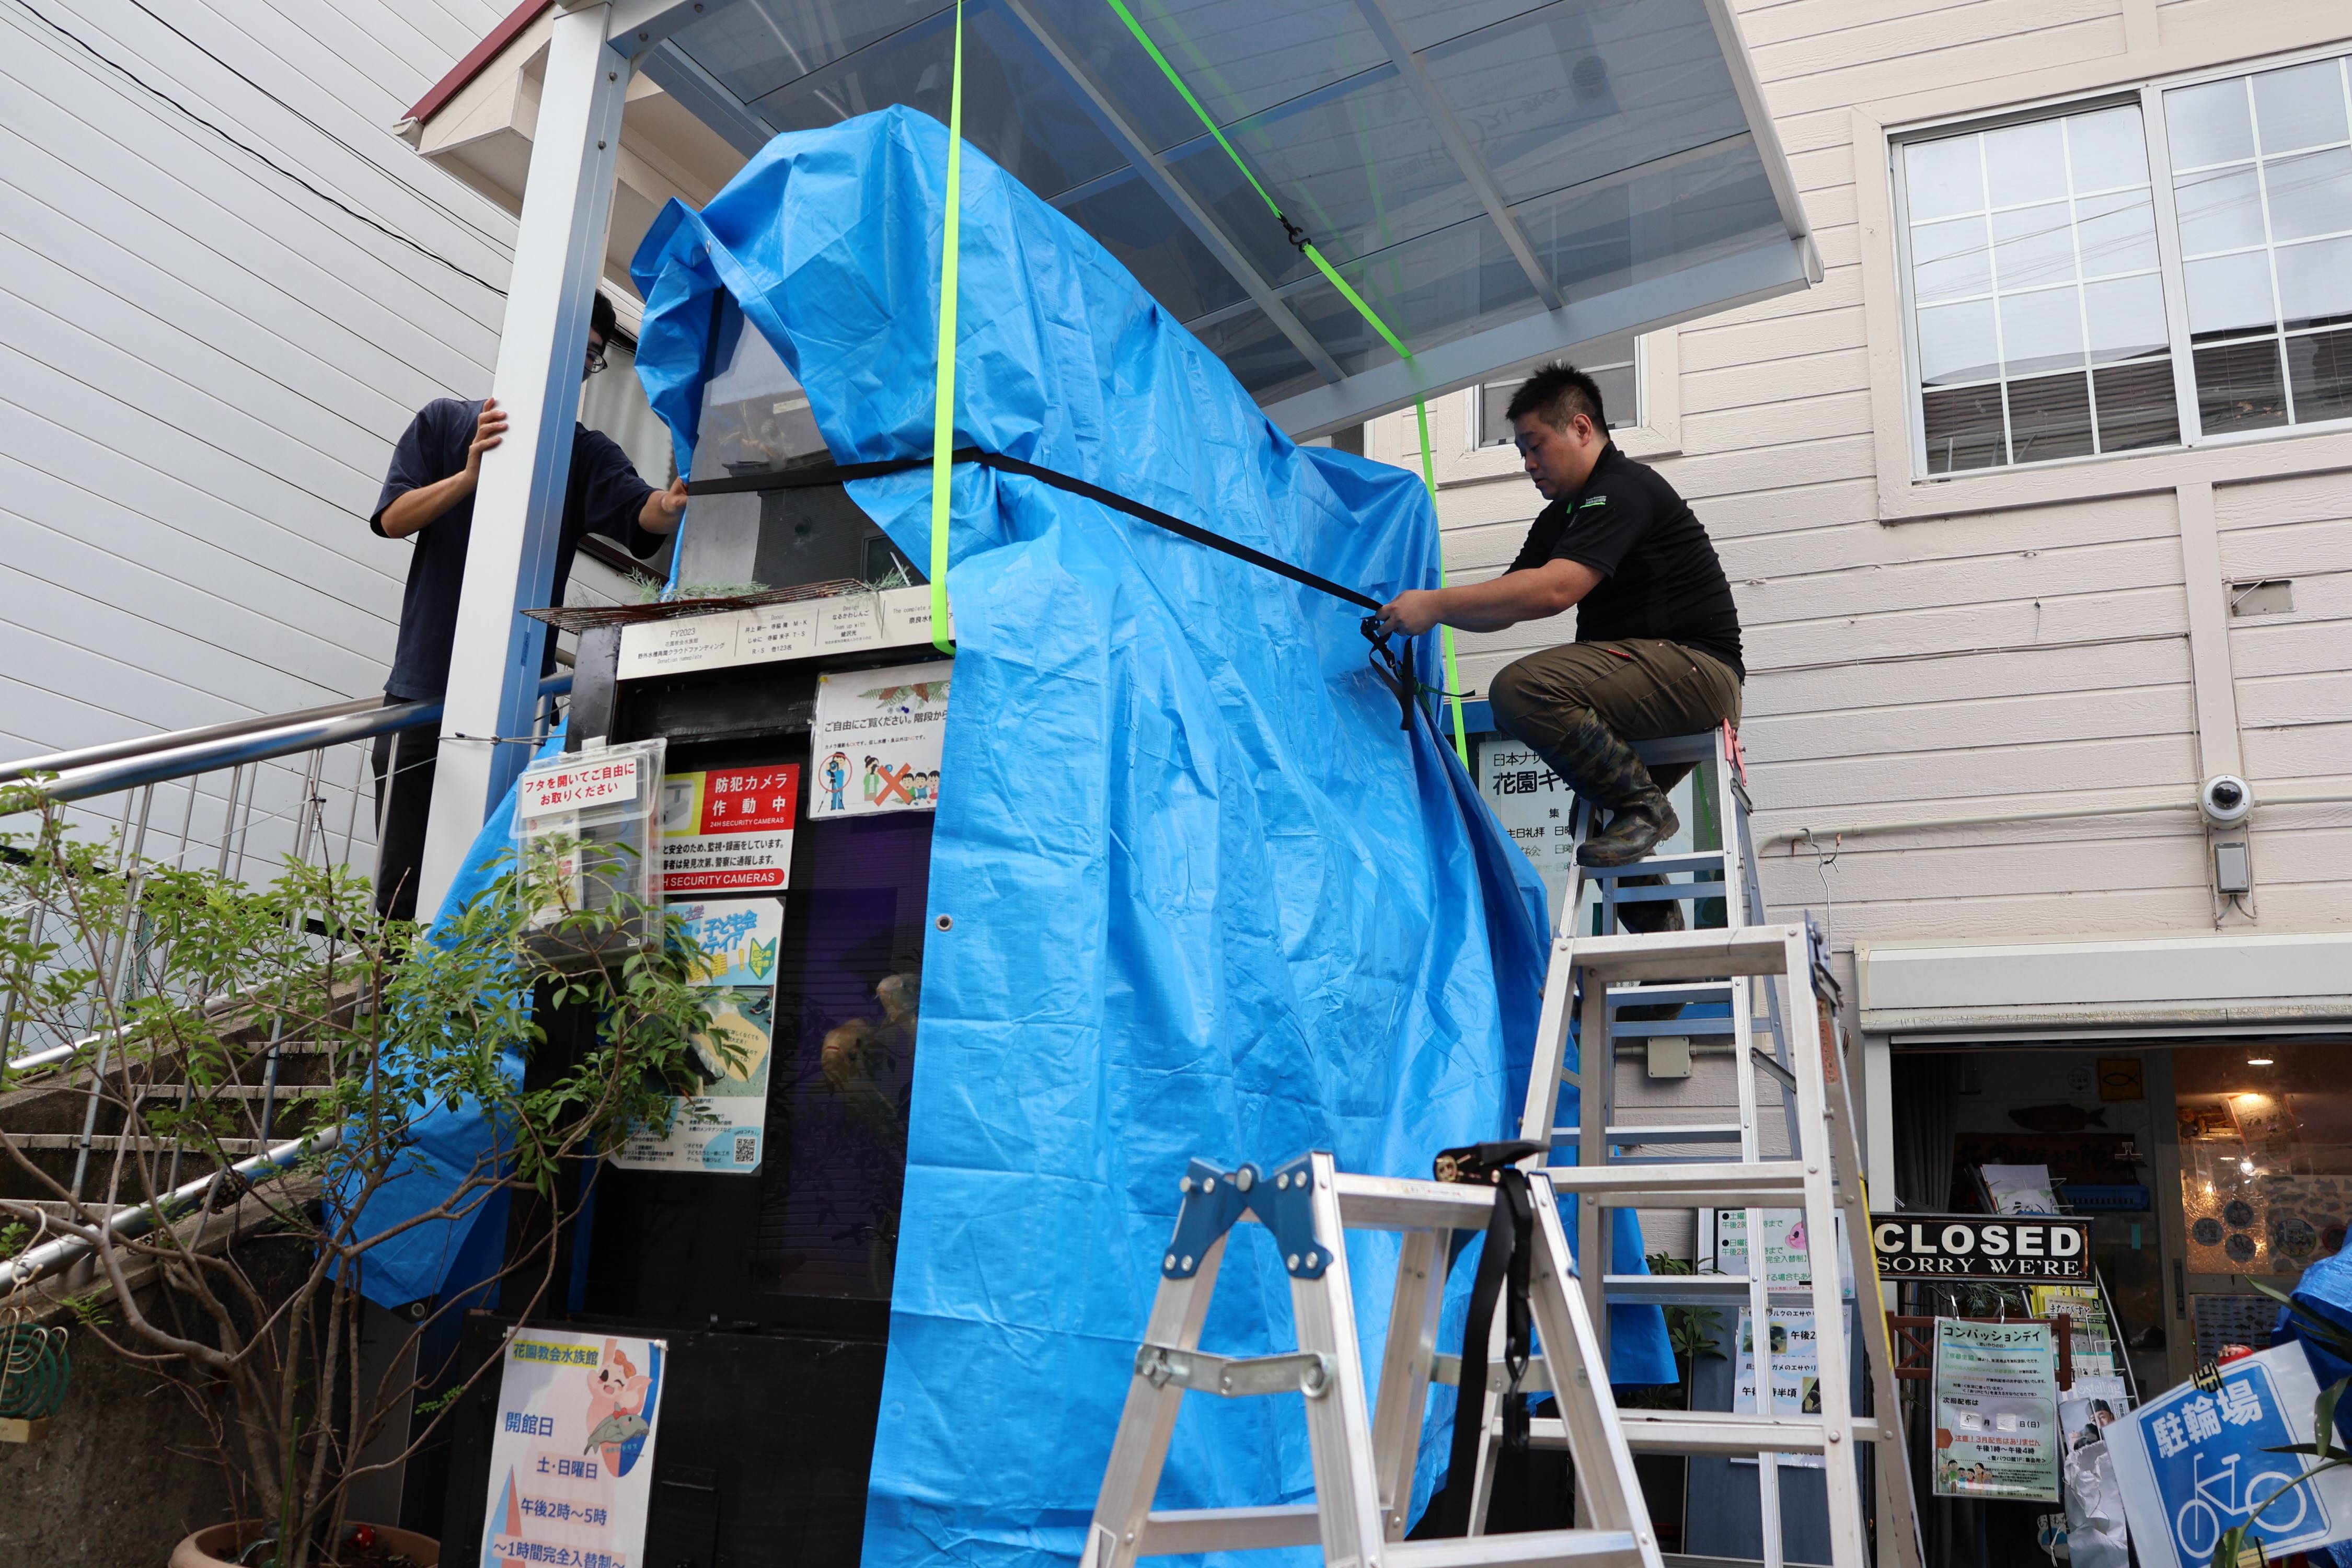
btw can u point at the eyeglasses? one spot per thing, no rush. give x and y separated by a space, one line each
595 360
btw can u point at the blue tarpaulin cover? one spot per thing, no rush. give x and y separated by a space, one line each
1207 897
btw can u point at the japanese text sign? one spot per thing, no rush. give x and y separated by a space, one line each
577 783
1997 1432
2010 1247
2194 1462
572 1457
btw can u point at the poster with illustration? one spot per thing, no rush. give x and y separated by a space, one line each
1787 1259
571 1457
875 745
722 1128
1996 1401
728 830
1796 1372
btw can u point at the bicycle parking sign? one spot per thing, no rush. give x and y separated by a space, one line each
2194 1462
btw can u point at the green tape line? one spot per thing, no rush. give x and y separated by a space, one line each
1453 671
944 408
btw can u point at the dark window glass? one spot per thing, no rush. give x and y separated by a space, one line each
2238 387
1964 429
2320 366
1620 403
2049 416
2135 406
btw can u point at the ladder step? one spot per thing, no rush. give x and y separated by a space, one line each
1696 1132
1534 1546
1710 1432
1185 1530
1662 865
1698 991
1693 1291
1723 1184
1691 955
1670 1028
1394 1203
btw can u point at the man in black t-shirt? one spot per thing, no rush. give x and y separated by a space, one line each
428 495
1657 638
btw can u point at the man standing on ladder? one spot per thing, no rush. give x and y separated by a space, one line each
1657 638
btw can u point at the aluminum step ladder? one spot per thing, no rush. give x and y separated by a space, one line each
1364 1451
1768 975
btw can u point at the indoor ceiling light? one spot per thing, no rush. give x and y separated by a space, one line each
2258 1061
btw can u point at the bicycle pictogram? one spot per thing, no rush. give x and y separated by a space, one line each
2202 1519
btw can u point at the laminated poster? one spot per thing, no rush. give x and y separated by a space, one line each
2193 1462
2092 1341
728 830
1796 1374
1536 807
723 1129
571 1459
1788 1258
875 745
1997 1433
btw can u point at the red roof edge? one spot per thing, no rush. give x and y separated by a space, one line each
481 55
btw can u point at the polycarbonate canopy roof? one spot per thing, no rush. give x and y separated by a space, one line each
1499 180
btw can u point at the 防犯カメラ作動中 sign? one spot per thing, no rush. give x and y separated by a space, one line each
1981 1246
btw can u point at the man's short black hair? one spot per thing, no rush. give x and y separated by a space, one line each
1557 394
601 319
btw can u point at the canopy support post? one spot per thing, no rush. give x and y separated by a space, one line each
518 508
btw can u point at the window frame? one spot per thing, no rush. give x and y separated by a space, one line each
2147 96
1637 363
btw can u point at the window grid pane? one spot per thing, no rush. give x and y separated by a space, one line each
2262 173
2032 257
1620 401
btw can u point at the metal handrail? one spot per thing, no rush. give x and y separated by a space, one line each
143 745
174 756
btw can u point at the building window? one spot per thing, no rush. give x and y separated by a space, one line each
1612 369
2061 294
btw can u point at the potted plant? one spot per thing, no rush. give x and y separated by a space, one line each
194 996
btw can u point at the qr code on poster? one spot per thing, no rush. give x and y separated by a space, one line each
747 1149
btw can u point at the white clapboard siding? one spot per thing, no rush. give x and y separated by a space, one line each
204 364
1979 664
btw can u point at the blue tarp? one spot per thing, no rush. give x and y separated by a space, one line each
1207 897
446 1144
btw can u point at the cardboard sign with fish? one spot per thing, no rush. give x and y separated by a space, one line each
571 1456
876 742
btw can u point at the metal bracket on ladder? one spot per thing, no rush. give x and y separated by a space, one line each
1816 1169
1364 1453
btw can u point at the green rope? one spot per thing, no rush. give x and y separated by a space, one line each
943 406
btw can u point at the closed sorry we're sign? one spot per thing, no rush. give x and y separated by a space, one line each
1981 1246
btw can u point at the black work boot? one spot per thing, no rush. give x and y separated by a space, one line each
1634 827
1646 919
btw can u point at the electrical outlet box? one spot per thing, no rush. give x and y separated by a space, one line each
2232 871
1669 1055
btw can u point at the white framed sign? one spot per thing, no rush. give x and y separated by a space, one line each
571 1457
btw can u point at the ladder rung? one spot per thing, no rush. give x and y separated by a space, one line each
1694 1290
1696 1132
1725 1185
1668 892
1663 864
1690 954
1593 1546
1698 991
1710 1432
1185 1530
1669 1028
1537 1379
1394 1203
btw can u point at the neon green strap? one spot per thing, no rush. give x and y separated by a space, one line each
1346 292
944 408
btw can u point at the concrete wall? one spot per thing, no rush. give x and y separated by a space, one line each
2002 641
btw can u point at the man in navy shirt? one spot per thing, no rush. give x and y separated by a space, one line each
428 496
1657 637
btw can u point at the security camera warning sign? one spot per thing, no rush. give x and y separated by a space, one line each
728 830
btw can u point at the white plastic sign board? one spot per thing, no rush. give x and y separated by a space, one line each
2191 1463
728 830
723 1129
1796 1372
1536 807
1788 1263
1996 1402
876 743
893 617
571 1457
583 783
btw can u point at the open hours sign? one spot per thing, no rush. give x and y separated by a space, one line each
2001 1247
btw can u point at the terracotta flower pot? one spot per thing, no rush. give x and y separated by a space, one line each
218 1547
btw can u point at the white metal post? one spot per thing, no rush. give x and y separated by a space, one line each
519 507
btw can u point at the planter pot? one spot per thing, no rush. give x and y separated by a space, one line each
218 1547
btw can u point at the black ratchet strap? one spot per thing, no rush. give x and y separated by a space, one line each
1504 1269
1395 669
